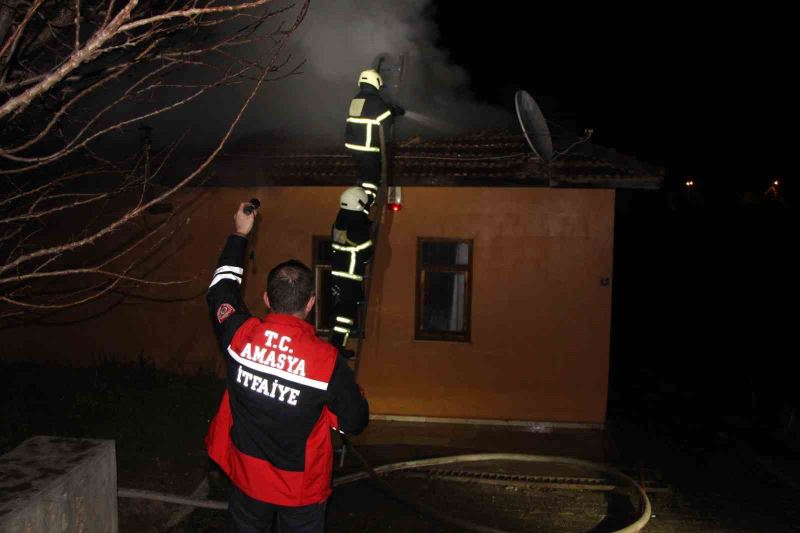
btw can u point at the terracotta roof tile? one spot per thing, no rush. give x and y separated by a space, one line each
480 159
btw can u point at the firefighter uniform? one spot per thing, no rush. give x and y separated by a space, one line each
368 111
286 389
351 249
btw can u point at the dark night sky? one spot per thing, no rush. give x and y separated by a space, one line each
705 95
702 94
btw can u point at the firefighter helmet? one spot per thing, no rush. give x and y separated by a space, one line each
353 199
371 77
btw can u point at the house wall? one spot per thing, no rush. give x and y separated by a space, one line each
540 316
540 321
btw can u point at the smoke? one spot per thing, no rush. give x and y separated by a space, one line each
338 39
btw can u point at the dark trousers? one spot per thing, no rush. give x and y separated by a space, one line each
369 167
345 295
246 515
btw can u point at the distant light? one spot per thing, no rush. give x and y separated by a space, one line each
394 207
690 183
775 183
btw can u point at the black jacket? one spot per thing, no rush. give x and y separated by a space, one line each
286 389
351 244
367 111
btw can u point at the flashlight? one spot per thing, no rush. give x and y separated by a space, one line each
252 206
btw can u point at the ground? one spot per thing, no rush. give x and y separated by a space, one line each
719 477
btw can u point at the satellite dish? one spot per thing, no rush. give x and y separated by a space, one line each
534 125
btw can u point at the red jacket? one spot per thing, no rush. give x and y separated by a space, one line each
286 389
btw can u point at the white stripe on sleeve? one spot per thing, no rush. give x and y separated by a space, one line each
220 277
235 270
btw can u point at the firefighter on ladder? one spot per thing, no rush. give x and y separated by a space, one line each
352 249
368 112
350 236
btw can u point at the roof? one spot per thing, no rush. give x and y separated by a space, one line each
479 159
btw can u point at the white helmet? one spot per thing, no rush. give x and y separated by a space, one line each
371 77
353 199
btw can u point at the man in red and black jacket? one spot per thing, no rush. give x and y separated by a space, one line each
286 389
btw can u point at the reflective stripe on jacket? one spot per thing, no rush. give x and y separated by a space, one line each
350 244
367 112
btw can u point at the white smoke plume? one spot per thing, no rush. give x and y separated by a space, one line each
338 39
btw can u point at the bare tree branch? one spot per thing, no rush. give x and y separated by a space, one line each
33 213
13 38
74 145
77 24
93 296
20 102
193 12
91 270
71 212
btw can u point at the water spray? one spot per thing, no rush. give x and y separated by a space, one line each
429 121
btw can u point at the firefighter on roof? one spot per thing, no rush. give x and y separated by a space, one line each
352 249
368 111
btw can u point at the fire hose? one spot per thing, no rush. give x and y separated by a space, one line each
374 475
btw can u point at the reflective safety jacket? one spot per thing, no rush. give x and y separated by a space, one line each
367 112
351 245
286 389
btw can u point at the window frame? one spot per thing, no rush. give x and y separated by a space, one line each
317 266
444 336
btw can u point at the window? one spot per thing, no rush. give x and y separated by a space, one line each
444 289
321 315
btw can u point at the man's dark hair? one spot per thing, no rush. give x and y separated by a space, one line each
289 286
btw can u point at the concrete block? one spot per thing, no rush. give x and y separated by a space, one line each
59 485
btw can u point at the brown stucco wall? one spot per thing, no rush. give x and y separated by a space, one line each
540 316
